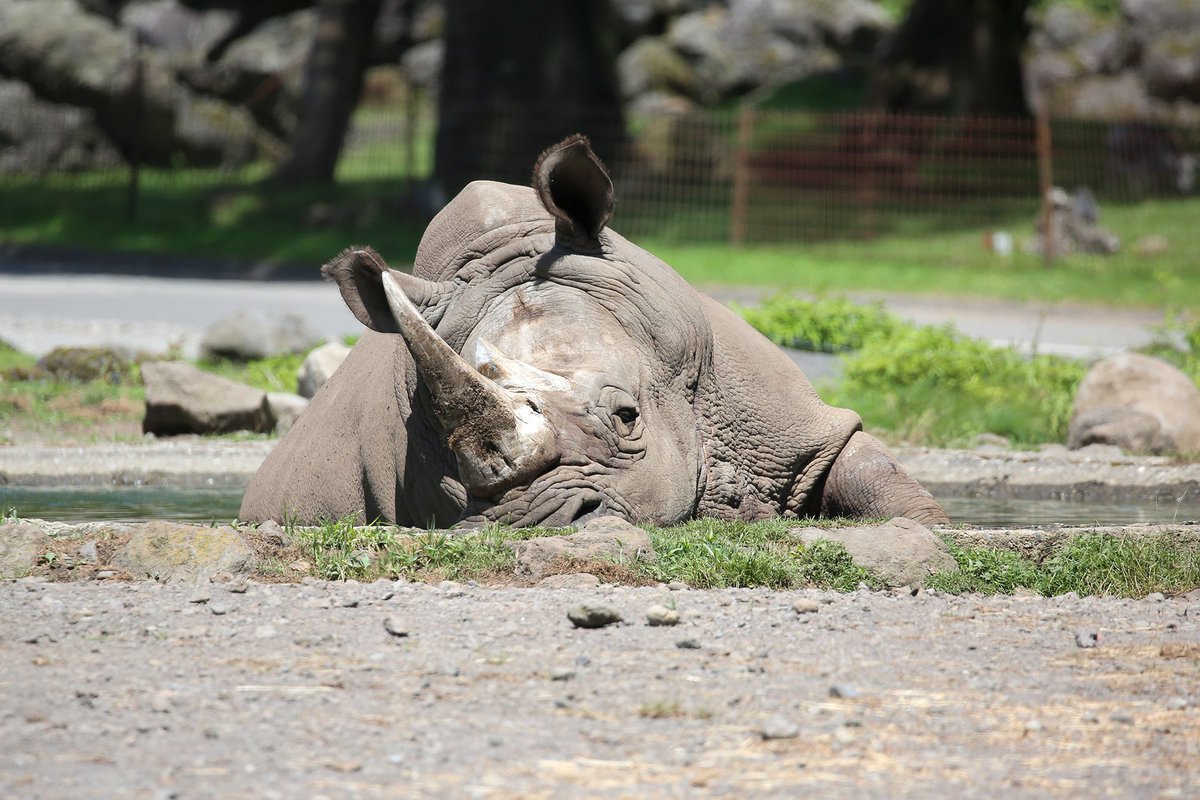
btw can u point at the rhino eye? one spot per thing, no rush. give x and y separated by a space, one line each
624 419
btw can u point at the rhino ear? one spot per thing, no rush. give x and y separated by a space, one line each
574 186
358 272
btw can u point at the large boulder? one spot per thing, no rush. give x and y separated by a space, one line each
319 366
900 552
38 137
21 544
85 60
247 335
1139 403
605 539
182 399
166 551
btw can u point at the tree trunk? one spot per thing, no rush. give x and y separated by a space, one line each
332 84
519 76
962 56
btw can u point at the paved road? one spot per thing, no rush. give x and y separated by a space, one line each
39 313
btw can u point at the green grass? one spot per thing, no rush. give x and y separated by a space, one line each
954 262
1091 564
714 554
703 553
274 374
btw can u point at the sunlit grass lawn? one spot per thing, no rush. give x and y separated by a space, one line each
242 216
955 262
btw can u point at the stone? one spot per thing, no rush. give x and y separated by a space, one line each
245 335
83 60
1086 639
395 626
901 552
660 615
21 544
86 364
602 539
166 551
843 691
283 409
319 366
806 606
183 399
43 137
779 727
570 580
88 553
589 616
1139 403
688 644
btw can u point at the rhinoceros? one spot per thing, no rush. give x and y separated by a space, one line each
536 368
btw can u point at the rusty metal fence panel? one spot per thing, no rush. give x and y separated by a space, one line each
748 175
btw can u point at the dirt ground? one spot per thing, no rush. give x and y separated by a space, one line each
142 690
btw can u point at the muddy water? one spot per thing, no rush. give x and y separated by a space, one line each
76 504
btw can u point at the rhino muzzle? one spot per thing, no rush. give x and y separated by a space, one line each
500 438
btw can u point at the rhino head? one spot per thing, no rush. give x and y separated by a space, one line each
538 369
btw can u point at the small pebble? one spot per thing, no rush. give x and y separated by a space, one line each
202 595
160 702
1122 719
562 674
88 553
661 615
688 644
593 616
1033 726
239 586
1177 703
1156 597
806 606
843 690
678 586
1086 639
106 574
220 607
395 627
779 727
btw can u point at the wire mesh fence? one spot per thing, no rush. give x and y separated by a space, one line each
741 175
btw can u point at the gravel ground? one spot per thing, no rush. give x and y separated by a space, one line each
226 691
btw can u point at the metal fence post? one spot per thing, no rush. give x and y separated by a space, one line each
741 175
136 112
1045 181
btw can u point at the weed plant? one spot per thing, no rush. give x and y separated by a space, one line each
1091 564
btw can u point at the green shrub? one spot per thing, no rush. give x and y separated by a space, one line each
826 325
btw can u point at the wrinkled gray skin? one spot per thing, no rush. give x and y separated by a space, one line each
572 375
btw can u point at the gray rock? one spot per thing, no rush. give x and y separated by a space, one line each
602 539
21 544
283 409
588 616
395 626
183 399
88 553
901 552
45 137
659 615
165 551
84 60
1086 639
806 606
779 727
570 580
1136 402
688 644
249 335
319 366
843 691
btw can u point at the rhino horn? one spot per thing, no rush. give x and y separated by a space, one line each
357 272
499 441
